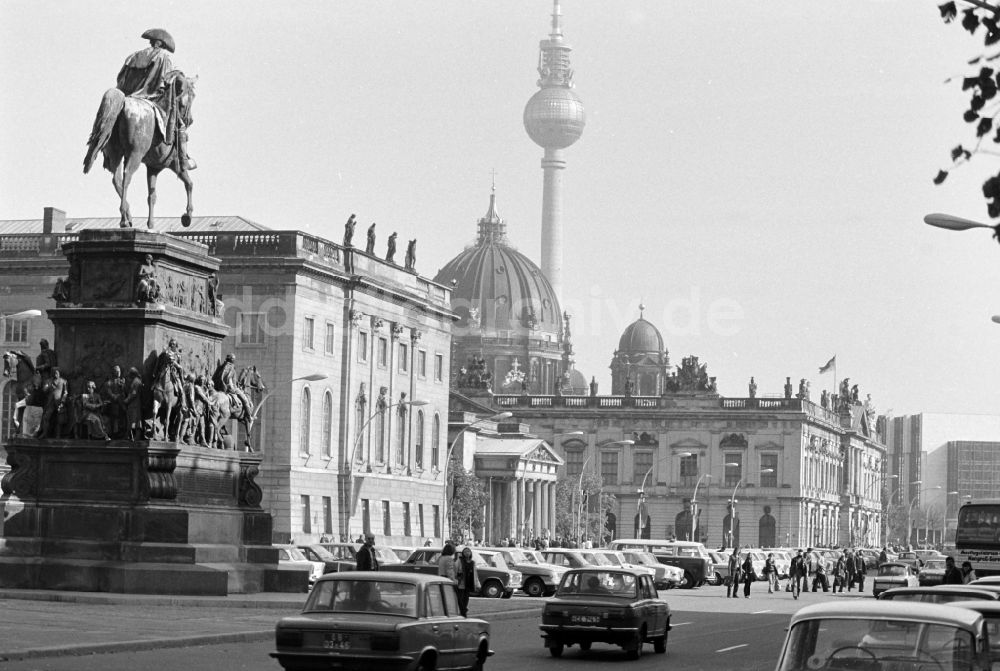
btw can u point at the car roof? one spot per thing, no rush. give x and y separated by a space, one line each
647 541
946 589
607 569
888 610
987 580
984 606
386 576
894 563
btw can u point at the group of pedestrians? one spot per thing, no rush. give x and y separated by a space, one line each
807 571
462 569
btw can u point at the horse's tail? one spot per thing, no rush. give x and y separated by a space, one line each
111 106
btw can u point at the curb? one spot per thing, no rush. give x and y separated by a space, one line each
187 641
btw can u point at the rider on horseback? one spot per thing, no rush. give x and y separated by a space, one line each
168 367
225 380
144 75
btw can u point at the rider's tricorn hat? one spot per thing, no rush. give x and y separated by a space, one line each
161 35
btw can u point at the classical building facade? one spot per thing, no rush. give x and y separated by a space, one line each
359 448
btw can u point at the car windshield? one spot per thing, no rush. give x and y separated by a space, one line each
645 558
363 596
514 557
386 555
613 558
320 552
596 559
293 554
534 557
871 644
598 583
888 569
341 551
934 565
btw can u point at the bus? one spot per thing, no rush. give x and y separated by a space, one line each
977 537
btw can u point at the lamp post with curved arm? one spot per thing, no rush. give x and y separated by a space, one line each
348 504
445 508
312 377
642 489
583 497
694 507
732 503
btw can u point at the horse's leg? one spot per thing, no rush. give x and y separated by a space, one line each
116 180
151 191
132 161
185 177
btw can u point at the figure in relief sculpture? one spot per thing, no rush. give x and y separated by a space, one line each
113 393
133 405
91 405
147 289
56 395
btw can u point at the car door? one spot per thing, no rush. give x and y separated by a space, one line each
656 609
440 627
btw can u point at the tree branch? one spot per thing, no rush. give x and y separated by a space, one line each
982 4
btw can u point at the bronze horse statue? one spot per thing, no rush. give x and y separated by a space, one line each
128 131
26 381
222 408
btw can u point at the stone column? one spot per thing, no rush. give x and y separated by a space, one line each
537 509
521 506
543 510
507 507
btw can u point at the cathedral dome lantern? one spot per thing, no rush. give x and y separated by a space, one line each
641 362
508 313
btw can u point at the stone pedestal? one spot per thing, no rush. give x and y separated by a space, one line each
142 516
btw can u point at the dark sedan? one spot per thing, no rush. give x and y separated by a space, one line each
600 605
358 621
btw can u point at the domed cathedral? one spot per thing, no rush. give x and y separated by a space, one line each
511 336
641 363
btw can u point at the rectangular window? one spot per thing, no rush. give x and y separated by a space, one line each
439 367
689 471
330 344
641 463
15 331
734 473
769 462
422 363
406 519
437 520
574 463
366 515
327 515
383 352
362 346
404 357
308 327
250 328
386 519
306 514
609 468
420 519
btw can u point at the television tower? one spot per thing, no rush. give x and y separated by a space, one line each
554 119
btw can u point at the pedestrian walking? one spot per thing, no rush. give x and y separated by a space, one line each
468 579
446 562
733 580
968 575
820 577
952 576
749 575
850 572
367 560
839 570
771 573
810 558
883 556
796 569
860 570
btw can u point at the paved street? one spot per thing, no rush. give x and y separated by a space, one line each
710 632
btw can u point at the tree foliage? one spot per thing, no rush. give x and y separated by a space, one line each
981 18
582 506
468 498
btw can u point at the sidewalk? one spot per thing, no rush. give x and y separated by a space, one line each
43 623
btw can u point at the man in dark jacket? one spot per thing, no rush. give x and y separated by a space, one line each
952 576
860 570
735 574
367 560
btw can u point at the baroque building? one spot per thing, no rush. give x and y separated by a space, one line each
354 351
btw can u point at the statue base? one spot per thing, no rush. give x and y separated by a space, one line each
137 518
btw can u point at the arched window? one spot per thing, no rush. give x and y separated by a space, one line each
304 421
418 439
7 401
436 442
327 424
766 529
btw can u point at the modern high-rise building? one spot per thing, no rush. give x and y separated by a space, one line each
554 119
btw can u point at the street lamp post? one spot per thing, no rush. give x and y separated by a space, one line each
579 488
732 502
348 504
445 509
909 510
694 507
642 488
312 377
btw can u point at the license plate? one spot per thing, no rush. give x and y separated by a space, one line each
585 619
337 642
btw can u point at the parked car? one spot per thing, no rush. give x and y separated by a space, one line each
990 610
893 574
931 573
290 557
720 564
575 558
496 581
347 554
538 579
601 605
873 635
355 620
331 564
666 577
910 559
618 560
926 555
870 556
940 594
689 556
402 552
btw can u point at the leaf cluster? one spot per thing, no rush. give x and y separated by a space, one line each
981 19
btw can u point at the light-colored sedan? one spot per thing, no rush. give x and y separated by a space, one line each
893 574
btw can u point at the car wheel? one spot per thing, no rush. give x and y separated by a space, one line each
636 652
660 644
688 581
585 645
426 663
534 587
556 649
481 655
491 589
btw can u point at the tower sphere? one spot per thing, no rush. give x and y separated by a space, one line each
554 117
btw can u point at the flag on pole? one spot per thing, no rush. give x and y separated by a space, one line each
832 363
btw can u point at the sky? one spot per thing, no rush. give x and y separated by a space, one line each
754 173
